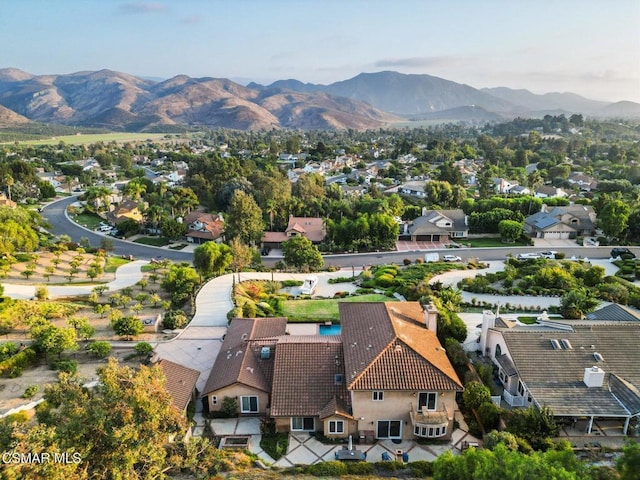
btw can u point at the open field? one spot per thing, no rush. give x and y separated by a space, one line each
325 309
86 139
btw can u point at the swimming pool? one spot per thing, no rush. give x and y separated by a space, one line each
329 329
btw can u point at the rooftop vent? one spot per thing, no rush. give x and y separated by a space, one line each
598 357
566 344
555 344
265 353
593 377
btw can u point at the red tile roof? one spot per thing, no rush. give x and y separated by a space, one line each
304 378
387 346
180 382
239 358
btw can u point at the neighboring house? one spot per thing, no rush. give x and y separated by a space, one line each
577 368
309 227
561 222
414 189
502 185
180 383
204 227
127 210
519 190
385 376
5 202
436 226
548 191
582 181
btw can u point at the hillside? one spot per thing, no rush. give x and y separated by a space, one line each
121 102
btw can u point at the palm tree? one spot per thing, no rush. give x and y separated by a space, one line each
8 180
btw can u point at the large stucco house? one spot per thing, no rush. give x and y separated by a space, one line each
385 375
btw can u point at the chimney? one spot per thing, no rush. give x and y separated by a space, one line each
431 318
488 321
593 377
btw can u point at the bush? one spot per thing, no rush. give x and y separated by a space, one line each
175 319
327 469
406 262
389 466
360 468
489 414
493 438
143 348
30 391
99 349
293 283
341 280
421 468
65 365
229 407
14 366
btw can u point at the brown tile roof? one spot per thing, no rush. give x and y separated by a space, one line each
335 407
181 381
213 225
274 237
554 376
310 227
239 358
387 346
304 379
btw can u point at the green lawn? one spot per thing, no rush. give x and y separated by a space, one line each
113 263
153 241
324 309
88 220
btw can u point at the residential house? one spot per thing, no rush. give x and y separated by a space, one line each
519 190
583 181
127 210
579 369
549 191
413 188
502 185
180 383
5 202
436 226
309 227
561 222
204 227
243 369
385 376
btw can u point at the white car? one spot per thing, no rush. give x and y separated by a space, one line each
549 254
527 256
451 258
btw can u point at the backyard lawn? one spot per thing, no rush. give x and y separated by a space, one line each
491 242
324 309
88 220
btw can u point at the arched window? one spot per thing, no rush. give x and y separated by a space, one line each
498 351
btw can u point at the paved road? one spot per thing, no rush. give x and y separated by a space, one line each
62 225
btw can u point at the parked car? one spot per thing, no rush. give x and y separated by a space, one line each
451 258
549 254
620 251
528 256
105 228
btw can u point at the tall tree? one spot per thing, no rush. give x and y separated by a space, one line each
244 220
300 252
613 218
211 258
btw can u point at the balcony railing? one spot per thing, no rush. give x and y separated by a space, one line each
429 417
513 400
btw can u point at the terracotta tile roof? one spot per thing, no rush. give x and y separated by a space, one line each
304 379
335 407
310 227
239 358
181 381
387 346
212 225
274 237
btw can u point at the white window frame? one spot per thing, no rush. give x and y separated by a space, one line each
426 406
521 389
377 395
399 422
301 427
242 409
502 376
333 427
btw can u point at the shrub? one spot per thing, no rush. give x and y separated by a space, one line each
229 407
341 280
493 438
293 283
421 468
327 469
42 293
175 319
360 468
389 466
406 262
99 349
65 365
475 394
30 391
143 348
14 366
489 414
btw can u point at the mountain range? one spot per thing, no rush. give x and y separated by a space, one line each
119 101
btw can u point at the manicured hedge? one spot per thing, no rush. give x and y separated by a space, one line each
14 366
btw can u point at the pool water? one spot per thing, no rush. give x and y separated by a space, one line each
329 329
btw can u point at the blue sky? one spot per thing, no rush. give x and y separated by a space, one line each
590 47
